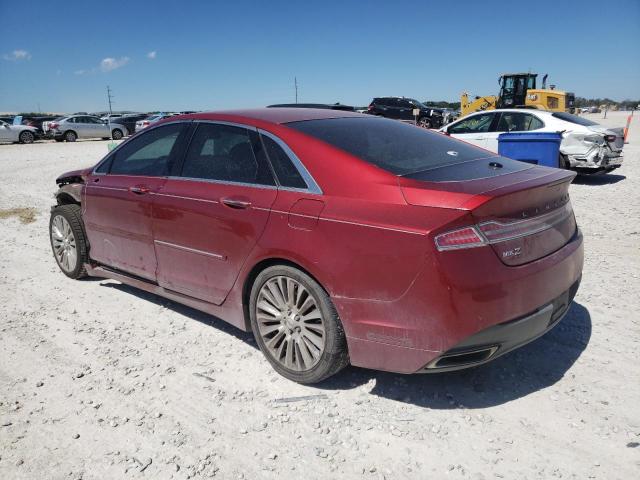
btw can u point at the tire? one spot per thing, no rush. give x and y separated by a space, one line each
70 136
424 122
304 351
26 137
68 240
117 134
563 162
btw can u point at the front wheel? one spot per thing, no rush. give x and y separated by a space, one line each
27 137
68 240
296 325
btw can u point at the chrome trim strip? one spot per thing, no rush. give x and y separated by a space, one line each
191 250
170 195
313 187
119 189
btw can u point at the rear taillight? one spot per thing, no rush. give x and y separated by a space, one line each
53 125
495 231
370 107
610 138
145 123
467 237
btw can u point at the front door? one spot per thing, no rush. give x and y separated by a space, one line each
118 200
208 218
473 129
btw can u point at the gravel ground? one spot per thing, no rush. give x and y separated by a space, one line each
100 381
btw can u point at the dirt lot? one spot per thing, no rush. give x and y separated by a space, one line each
98 380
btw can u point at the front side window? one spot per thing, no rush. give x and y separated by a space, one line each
149 154
475 124
224 152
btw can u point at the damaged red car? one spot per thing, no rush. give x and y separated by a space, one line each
336 238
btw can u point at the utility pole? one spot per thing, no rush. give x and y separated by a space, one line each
295 84
109 97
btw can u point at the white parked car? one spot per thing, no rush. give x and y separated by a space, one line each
17 133
586 147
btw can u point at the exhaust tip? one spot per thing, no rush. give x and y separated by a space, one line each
463 359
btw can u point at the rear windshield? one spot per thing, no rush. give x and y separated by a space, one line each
394 146
567 117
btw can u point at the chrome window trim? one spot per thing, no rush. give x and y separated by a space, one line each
224 182
312 185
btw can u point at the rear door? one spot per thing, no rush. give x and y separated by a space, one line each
511 122
473 129
119 195
210 214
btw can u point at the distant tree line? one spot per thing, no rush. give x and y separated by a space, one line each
624 105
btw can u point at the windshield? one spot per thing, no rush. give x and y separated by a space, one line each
391 145
567 117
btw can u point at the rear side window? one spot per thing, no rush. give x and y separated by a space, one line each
287 173
149 154
568 117
391 145
224 152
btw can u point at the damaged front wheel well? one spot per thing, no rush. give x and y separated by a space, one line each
64 198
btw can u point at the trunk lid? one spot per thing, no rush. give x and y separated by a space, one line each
618 143
524 214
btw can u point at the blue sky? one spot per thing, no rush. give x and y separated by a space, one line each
236 54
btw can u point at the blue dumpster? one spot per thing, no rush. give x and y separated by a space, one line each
540 148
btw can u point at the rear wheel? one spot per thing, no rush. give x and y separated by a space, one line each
296 325
27 137
68 240
70 136
117 134
424 122
563 162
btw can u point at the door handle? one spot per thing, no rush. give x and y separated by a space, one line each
236 203
139 189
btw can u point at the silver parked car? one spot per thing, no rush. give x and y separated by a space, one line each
81 126
142 124
17 133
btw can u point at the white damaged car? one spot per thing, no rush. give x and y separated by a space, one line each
586 147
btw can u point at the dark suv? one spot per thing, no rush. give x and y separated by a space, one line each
401 108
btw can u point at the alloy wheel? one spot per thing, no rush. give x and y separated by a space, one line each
64 243
290 323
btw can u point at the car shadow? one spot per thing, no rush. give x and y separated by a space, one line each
533 367
599 179
192 313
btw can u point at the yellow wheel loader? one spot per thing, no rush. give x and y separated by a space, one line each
518 90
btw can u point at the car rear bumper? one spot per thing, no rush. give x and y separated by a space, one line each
493 342
463 302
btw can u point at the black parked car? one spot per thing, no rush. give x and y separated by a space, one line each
129 121
401 108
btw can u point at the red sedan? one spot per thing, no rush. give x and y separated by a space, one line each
335 237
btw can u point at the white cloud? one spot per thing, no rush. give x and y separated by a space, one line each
79 72
17 55
108 64
152 55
